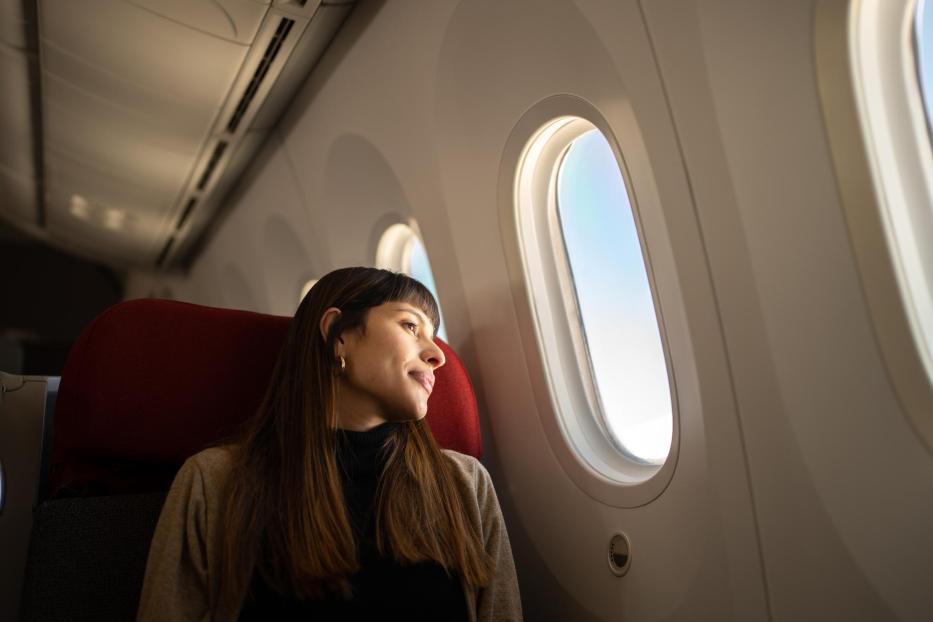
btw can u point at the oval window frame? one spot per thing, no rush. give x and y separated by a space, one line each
562 383
873 107
393 250
306 286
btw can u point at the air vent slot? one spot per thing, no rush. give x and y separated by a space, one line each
165 251
187 212
212 164
271 52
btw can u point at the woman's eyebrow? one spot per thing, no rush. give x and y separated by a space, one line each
414 311
421 316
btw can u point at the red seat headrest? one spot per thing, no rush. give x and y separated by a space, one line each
151 382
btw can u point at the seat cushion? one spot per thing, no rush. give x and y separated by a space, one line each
87 557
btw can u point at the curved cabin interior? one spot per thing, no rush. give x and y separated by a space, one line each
683 251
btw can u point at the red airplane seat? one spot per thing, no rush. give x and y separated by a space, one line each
151 382
147 384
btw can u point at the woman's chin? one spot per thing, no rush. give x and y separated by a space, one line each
416 413
418 409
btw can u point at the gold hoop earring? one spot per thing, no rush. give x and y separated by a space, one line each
343 366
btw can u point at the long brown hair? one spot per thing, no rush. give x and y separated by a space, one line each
286 517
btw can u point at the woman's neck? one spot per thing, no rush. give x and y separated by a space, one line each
358 422
357 412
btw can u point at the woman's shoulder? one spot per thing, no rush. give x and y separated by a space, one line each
213 457
212 465
477 488
464 462
469 470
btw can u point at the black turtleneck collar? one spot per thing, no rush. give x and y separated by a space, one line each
359 452
373 436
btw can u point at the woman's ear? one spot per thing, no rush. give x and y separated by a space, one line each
327 320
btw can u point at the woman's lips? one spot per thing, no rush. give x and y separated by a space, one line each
425 380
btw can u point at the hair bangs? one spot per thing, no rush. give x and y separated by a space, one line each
356 290
410 290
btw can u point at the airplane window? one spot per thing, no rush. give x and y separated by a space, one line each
876 85
923 32
917 262
305 289
613 296
589 300
402 250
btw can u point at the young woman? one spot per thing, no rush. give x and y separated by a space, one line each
335 503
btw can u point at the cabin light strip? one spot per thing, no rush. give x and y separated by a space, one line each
272 51
243 106
279 37
212 164
165 251
186 213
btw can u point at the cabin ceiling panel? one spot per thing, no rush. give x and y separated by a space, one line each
85 125
108 231
108 104
77 181
156 106
127 122
17 155
19 198
143 48
16 150
94 233
113 249
233 20
126 111
13 24
147 165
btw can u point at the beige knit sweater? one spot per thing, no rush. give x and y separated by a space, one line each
182 571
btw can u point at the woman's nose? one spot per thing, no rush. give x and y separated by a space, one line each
434 356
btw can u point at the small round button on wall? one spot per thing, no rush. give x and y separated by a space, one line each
620 554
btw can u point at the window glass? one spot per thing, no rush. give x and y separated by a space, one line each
923 33
916 256
613 295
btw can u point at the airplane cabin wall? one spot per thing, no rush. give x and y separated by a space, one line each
798 490
841 479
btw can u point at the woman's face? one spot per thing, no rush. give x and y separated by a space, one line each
390 367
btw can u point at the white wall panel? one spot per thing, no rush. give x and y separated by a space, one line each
836 468
407 116
286 263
